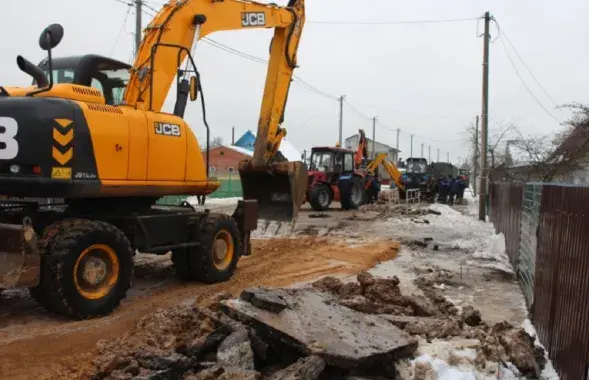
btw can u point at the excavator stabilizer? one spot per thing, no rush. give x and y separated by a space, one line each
19 255
279 189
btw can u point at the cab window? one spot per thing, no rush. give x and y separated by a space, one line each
348 162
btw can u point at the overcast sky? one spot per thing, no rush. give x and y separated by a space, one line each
424 78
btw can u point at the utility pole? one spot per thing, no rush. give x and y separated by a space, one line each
475 154
422 150
411 145
438 155
397 147
484 123
373 136
138 27
233 135
429 154
341 118
448 157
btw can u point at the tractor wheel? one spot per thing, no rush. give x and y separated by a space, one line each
353 194
86 268
320 197
216 258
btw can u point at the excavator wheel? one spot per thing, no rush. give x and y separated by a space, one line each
320 197
353 194
86 268
215 259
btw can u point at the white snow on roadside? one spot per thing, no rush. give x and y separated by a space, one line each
434 357
215 201
494 254
548 373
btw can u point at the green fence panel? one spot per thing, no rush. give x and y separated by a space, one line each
230 187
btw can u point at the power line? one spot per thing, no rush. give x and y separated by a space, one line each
524 83
405 111
146 5
527 68
356 111
121 30
391 22
253 58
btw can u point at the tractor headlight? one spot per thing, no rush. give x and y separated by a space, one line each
14 169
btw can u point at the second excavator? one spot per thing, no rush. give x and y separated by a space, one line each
91 131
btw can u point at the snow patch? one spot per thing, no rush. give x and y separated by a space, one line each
494 254
215 201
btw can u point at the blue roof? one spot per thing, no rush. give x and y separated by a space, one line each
246 140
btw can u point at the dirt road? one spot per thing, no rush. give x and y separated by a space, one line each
37 345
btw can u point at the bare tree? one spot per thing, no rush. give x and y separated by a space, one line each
216 141
496 143
543 157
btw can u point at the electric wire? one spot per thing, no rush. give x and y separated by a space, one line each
524 83
121 30
526 67
406 22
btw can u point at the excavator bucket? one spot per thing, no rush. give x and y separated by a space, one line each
280 189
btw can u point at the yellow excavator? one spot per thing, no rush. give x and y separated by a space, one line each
392 170
90 130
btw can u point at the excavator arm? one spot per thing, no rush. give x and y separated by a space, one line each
381 159
278 186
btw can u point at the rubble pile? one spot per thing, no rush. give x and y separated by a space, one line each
330 330
432 316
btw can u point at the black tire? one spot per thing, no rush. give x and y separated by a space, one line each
320 197
199 263
353 194
67 244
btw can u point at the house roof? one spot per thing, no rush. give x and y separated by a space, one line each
575 145
376 141
239 150
286 148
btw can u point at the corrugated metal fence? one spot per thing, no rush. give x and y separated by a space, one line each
552 263
506 207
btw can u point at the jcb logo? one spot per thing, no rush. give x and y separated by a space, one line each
253 19
167 129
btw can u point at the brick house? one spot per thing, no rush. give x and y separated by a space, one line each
224 159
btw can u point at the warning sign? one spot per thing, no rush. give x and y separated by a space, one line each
61 173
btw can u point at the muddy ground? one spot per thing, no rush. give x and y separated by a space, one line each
37 345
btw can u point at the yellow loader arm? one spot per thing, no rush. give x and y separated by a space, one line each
279 187
381 159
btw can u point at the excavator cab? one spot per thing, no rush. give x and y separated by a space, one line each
107 75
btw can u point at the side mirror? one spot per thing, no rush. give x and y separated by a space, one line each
193 88
51 37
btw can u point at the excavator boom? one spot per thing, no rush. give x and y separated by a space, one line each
381 159
278 186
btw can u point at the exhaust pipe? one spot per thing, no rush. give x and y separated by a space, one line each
26 66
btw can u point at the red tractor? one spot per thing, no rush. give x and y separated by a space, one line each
335 175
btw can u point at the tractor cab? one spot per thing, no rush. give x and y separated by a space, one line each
416 171
331 161
107 75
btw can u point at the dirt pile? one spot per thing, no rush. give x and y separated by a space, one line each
433 316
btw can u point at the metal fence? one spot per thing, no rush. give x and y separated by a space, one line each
552 264
506 207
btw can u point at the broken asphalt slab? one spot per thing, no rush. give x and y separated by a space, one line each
315 324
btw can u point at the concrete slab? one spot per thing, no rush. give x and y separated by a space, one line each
315 324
